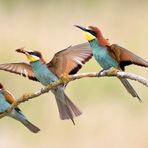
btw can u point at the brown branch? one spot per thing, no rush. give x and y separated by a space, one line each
66 80
29 96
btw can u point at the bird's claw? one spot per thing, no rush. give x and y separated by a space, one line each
112 71
99 73
65 79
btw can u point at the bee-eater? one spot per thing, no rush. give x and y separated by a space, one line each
67 61
6 99
112 56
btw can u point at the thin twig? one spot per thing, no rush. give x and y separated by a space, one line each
53 85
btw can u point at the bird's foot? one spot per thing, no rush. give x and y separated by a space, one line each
112 71
101 71
65 78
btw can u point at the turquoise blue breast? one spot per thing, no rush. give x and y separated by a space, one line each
102 55
42 73
4 105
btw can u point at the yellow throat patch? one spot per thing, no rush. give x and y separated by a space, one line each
32 58
88 36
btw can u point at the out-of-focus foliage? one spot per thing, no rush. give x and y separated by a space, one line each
111 117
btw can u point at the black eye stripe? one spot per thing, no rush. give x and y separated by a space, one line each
35 54
30 53
93 33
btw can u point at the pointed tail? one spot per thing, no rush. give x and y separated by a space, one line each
18 115
30 126
67 109
129 88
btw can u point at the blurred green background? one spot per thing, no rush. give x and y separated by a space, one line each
111 117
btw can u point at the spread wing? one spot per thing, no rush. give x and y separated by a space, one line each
23 69
126 57
70 60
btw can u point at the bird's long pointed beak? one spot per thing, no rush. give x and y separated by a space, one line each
29 54
87 33
22 50
80 27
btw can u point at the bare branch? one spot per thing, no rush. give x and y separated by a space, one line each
120 74
29 96
66 80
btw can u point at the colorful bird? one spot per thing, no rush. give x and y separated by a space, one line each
112 56
6 99
67 61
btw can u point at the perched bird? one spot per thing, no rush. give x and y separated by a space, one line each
6 99
65 62
112 56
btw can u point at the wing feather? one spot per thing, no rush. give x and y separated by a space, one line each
23 69
9 97
126 57
70 60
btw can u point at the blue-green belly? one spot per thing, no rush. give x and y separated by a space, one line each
102 55
42 73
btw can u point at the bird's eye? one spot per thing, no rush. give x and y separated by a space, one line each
93 33
35 54
31 53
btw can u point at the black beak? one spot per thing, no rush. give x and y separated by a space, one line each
87 30
82 28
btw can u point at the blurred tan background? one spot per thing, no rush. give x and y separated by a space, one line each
111 117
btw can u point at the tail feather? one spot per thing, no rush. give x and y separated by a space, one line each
67 109
129 88
65 112
18 115
30 126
